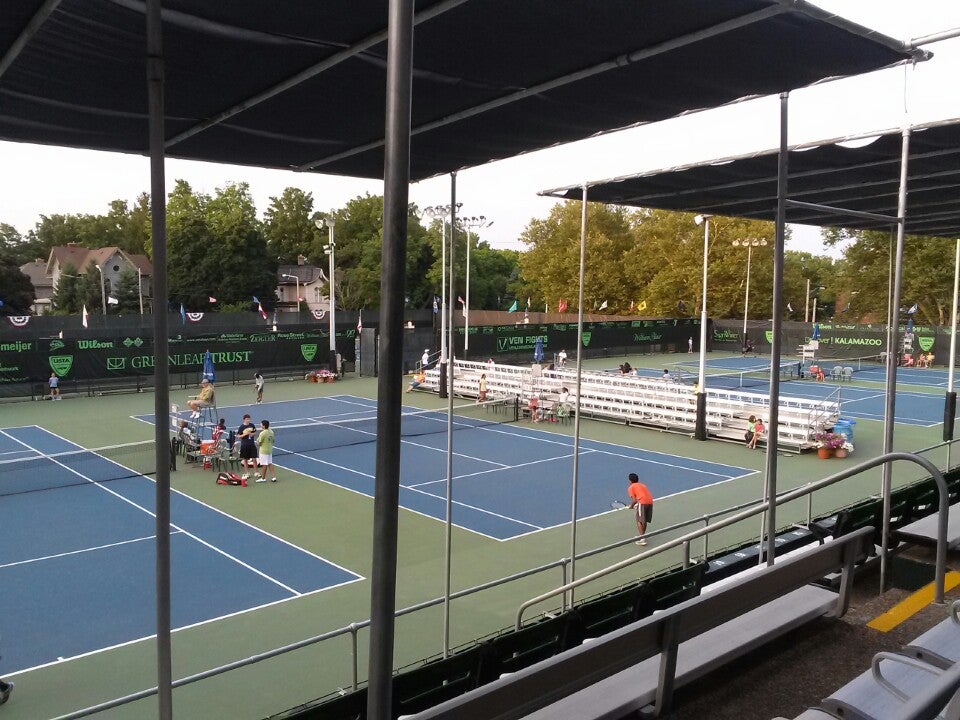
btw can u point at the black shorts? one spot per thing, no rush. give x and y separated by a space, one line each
645 513
248 451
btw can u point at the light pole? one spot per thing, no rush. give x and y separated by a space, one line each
328 251
103 294
700 427
140 289
442 212
470 223
749 245
297 279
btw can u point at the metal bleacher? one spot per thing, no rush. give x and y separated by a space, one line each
649 402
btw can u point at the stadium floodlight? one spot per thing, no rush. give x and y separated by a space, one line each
328 249
749 244
297 279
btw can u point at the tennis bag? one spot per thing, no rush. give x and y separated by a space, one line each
229 478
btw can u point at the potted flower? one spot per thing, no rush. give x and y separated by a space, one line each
844 450
827 443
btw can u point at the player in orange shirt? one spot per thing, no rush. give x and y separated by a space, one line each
642 500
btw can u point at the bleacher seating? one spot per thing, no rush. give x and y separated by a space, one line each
925 673
650 402
643 662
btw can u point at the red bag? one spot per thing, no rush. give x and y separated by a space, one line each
229 478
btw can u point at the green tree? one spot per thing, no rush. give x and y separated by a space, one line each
127 293
191 248
16 290
65 297
288 225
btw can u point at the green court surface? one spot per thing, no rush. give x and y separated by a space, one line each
336 523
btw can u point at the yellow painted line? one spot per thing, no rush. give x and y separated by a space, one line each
911 605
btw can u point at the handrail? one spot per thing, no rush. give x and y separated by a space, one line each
759 508
562 563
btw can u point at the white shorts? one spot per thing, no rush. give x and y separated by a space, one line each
265 459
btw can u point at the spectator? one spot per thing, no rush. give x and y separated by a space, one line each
758 430
54 383
425 359
561 359
482 388
417 381
219 431
748 435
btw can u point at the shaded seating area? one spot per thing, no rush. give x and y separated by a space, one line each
924 674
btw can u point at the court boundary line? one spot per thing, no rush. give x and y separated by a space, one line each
187 533
83 550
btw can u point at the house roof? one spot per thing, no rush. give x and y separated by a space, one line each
81 258
305 273
36 270
301 85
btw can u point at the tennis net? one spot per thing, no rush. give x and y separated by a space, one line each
739 379
77 467
136 460
333 432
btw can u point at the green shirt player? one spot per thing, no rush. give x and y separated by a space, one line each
265 446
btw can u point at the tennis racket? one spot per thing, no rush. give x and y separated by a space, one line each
618 505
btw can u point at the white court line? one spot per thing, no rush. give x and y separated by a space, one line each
493 470
151 514
81 551
418 512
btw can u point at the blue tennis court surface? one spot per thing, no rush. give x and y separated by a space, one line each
77 562
508 480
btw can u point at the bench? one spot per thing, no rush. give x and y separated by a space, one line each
924 530
640 664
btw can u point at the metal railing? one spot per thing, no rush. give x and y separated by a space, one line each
710 524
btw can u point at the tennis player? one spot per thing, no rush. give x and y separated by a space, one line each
248 446
642 500
265 445
258 382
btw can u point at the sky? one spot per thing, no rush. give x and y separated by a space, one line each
37 180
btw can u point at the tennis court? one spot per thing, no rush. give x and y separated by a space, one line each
77 554
862 397
509 478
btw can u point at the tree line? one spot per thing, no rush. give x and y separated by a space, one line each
638 262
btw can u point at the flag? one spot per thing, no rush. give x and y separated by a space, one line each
274 316
1 303
460 300
789 307
847 307
528 303
603 305
256 299
183 315
436 308
85 316
19 320
912 310
562 307
513 308
360 318
112 300
631 305
263 313
463 310
211 299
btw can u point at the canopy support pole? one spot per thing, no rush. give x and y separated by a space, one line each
576 418
775 342
891 386
161 366
451 373
392 279
950 401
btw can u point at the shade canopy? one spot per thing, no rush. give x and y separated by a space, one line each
861 174
301 85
